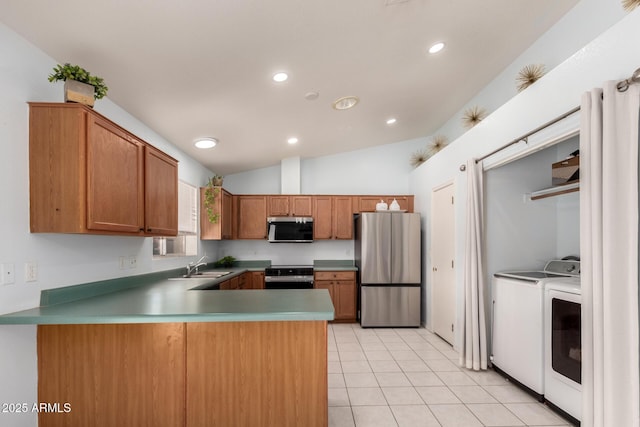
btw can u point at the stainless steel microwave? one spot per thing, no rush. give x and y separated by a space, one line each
287 229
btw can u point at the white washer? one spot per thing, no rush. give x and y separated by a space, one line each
563 346
518 322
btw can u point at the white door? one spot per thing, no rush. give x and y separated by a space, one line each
443 289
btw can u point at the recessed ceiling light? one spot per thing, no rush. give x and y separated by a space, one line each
207 142
345 102
391 120
280 77
436 47
292 140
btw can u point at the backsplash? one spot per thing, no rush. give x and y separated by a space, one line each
286 253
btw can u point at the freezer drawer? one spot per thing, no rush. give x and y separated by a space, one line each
389 306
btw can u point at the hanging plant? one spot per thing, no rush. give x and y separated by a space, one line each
472 116
629 5
437 143
210 193
419 157
529 75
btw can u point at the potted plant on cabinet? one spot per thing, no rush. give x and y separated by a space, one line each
210 193
79 85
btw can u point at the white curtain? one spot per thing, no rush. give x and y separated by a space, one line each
473 354
609 253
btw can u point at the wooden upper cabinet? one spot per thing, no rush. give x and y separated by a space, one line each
288 205
322 217
161 193
88 175
278 205
332 217
115 184
342 217
368 203
301 205
223 206
251 216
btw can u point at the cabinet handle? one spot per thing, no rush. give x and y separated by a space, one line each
149 230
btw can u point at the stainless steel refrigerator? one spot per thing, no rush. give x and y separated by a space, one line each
387 254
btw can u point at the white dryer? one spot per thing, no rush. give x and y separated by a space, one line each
563 346
518 322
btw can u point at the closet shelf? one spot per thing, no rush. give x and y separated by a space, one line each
555 191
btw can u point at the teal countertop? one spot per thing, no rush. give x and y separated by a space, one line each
155 298
334 265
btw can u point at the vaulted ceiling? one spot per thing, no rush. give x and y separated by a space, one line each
195 68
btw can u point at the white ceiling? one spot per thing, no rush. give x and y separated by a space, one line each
195 68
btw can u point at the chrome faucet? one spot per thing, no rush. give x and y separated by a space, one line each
192 267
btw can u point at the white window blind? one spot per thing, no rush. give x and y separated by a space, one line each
187 208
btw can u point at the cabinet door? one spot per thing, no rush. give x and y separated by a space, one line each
257 280
278 205
328 285
252 217
115 193
227 215
301 206
345 292
161 193
222 205
368 203
342 217
322 217
405 202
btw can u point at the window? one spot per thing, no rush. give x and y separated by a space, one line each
186 242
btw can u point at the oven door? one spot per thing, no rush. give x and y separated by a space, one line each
288 282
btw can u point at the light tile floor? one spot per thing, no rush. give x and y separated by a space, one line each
411 377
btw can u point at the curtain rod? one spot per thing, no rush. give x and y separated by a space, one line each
622 86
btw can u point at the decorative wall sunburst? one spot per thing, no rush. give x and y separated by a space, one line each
437 143
472 116
629 5
529 75
419 157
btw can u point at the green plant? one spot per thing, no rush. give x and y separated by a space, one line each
226 261
210 194
75 72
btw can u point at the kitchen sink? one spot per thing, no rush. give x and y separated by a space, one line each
204 275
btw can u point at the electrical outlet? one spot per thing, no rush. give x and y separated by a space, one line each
31 271
123 262
7 274
132 262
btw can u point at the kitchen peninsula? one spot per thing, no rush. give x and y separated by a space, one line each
157 353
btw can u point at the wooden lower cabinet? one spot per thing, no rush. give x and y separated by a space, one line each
266 374
113 375
184 374
257 279
343 291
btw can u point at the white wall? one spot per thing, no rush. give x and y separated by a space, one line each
378 170
523 234
583 23
610 57
287 253
62 259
